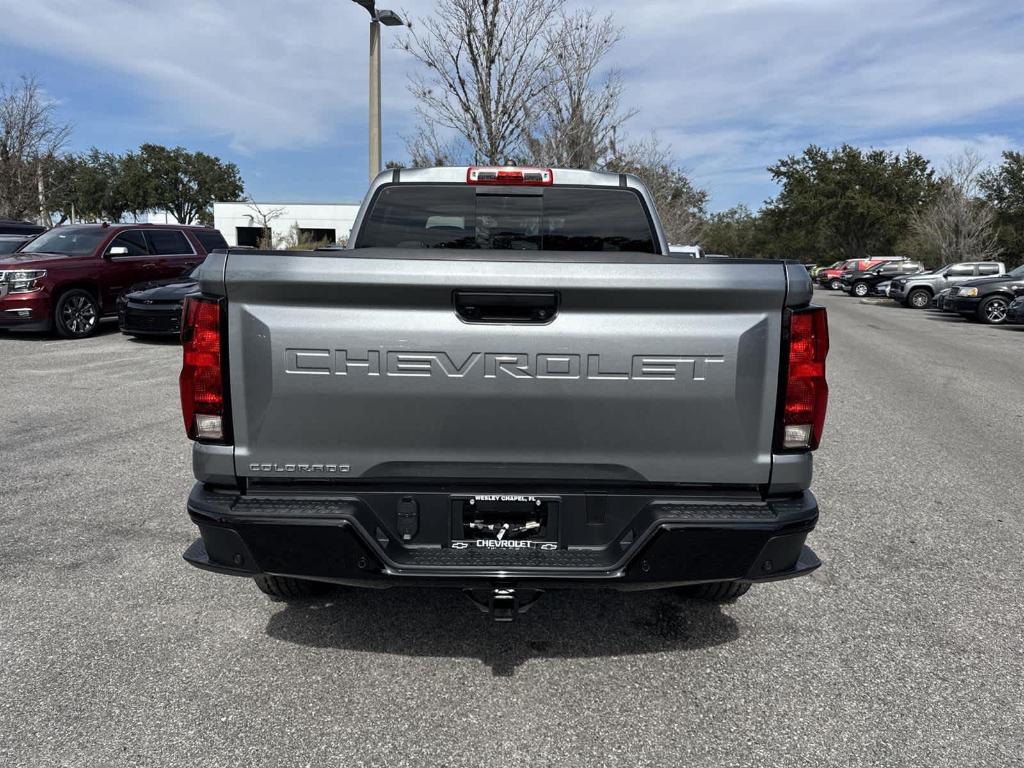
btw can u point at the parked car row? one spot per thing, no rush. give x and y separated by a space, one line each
867 281
993 300
832 276
67 278
917 291
977 290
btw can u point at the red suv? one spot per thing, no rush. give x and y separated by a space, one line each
69 277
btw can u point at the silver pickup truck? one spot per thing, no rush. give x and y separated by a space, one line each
505 384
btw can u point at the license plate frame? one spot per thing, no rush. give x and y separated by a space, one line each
476 520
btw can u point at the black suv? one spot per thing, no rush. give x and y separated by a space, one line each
865 282
987 298
26 228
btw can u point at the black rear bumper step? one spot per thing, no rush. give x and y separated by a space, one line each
641 543
259 507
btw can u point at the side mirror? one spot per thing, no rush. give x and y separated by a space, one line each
117 250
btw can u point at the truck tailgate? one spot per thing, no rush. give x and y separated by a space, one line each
358 366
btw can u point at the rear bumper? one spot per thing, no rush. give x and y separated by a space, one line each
642 542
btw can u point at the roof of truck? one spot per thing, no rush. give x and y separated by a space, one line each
458 174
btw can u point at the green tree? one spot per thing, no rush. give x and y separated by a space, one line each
845 202
97 192
184 183
734 232
90 185
1003 188
61 179
97 185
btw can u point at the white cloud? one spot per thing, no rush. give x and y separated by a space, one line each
940 149
267 74
737 84
732 84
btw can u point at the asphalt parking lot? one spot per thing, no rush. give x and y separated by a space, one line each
904 649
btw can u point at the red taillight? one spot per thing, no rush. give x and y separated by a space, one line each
530 177
202 384
803 411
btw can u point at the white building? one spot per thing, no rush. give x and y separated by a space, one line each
243 223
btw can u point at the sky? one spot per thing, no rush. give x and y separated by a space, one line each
279 88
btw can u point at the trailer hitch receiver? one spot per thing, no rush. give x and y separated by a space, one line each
504 603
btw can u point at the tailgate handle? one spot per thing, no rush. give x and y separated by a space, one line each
488 307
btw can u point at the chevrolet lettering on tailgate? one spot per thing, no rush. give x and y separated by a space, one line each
491 365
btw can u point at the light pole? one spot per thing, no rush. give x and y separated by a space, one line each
388 19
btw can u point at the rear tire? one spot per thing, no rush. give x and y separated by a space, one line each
993 311
716 591
284 588
919 298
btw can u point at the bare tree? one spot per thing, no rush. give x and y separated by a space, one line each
485 68
30 138
576 117
680 204
264 216
959 225
427 150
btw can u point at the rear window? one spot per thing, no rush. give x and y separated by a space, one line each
210 239
530 219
